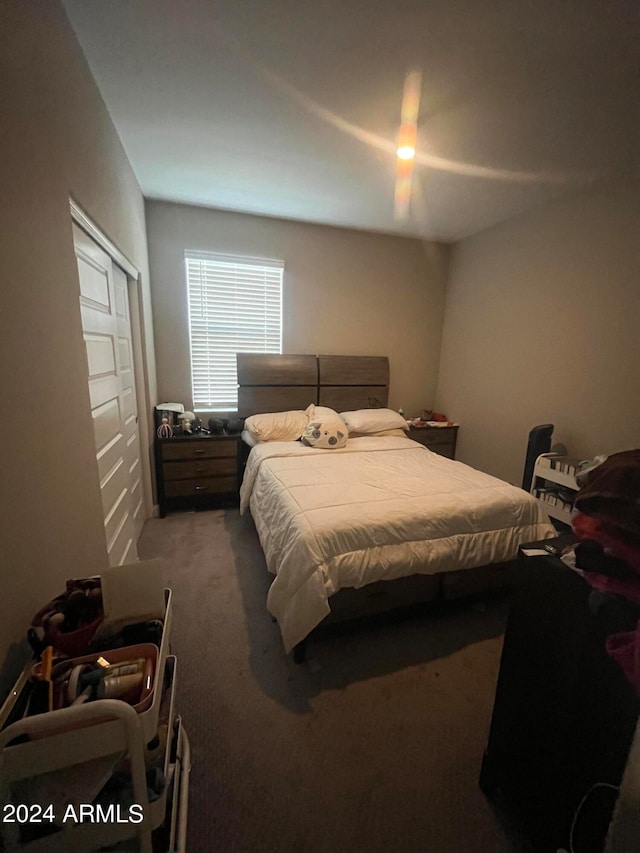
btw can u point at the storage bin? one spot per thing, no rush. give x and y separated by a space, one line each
129 653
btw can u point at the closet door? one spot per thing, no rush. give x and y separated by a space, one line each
128 400
106 327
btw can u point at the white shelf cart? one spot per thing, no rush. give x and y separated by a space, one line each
542 472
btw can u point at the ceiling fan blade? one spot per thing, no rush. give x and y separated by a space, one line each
406 148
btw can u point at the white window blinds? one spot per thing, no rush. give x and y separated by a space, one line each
235 305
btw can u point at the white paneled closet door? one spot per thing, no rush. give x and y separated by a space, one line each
106 325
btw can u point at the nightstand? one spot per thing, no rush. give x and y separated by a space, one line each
196 471
441 440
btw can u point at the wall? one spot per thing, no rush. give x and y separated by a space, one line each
541 326
57 141
345 292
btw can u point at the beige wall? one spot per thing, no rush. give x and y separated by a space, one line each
345 292
542 325
57 141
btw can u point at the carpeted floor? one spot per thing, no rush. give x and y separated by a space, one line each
374 744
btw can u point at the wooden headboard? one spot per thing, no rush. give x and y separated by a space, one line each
277 383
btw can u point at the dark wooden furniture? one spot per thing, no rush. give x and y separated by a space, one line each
274 383
564 713
441 440
196 471
350 382
350 605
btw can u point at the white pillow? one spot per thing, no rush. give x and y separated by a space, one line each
368 421
324 413
277 426
381 434
246 436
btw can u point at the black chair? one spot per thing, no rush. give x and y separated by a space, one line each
539 442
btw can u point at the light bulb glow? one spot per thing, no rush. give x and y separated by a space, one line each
406 152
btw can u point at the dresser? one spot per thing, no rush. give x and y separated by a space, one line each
196 471
441 440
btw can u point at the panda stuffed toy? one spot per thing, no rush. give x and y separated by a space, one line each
327 435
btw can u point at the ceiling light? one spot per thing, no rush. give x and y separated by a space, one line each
406 152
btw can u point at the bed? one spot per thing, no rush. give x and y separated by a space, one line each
381 517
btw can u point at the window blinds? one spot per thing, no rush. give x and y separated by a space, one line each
235 305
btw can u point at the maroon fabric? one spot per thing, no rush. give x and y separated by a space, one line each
624 648
612 491
608 505
617 542
615 586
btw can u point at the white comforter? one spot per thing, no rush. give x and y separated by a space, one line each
377 509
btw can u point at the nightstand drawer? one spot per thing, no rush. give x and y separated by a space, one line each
202 449
200 486
186 469
437 435
441 440
196 472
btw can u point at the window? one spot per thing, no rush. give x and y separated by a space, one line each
235 305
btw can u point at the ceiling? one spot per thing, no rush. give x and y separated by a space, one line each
291 108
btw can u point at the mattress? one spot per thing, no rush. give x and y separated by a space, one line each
377 509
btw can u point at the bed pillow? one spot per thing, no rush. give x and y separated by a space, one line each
383 433
329 434
324 413
368 421
248 439
277 426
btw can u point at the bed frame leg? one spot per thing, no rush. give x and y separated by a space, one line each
300 651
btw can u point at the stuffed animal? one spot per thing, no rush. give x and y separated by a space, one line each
327 435
185 420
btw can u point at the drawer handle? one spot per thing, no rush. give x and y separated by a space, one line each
200 469
199 451
201 488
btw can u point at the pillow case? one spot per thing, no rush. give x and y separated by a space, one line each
380 434
328 434
367 421
277 426
324 413
246 436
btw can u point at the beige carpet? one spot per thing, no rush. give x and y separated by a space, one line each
374 744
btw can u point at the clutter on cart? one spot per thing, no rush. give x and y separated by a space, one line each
91 725
127 674
124 606
70 620
99 639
